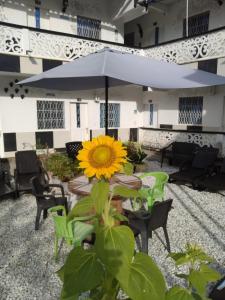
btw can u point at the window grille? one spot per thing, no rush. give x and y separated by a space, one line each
78 114
50 114
90 28
113 115
197 24
151 111
190 110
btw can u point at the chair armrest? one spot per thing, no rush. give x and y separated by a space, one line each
56 186
57 208
138 215
45 196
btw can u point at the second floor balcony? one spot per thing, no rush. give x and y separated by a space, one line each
24 41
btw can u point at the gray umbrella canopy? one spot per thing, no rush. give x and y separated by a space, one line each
121 68
113 68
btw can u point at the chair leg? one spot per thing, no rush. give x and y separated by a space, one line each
144 241
56 249
38 216
45 213
167 239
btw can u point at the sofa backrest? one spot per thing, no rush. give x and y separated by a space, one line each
184 148
204 159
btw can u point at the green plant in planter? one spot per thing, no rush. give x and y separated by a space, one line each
135 153
62 166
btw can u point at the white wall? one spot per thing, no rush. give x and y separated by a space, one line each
52 18
168 103
170 23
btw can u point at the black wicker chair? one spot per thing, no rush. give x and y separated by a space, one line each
5 179
72 149
201 165
27 166
215 182
177 152
143 223
46 200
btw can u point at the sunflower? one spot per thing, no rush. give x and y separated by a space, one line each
101 157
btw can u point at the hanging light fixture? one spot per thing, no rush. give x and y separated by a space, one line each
144 3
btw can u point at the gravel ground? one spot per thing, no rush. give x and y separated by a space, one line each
27 267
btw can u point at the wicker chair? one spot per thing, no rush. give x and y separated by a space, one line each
215 182
201 165
72 149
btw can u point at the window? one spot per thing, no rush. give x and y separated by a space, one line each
113 112
90 28
50 114
37 13
151 111
78 114
197 24
209 65
190 110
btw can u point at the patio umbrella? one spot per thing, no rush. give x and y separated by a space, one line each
108 68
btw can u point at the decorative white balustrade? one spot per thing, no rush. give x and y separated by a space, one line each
17 41
208 46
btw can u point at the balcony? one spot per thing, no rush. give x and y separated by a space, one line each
206 46
17 40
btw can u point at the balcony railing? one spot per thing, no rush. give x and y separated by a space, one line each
42 44
16 40
206 46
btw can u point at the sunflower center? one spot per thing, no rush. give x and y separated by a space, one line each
102 156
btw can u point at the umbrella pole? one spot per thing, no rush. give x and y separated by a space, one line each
106 104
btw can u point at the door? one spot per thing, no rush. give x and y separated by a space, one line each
79 122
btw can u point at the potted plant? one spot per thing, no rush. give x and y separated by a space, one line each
61 167
136 155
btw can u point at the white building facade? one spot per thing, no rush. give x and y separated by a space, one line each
39 35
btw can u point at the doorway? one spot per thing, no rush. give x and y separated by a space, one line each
79 121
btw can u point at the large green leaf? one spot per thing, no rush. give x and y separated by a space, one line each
82 208
123 191
178 293
144 280
115 248
128 168
100 194
81 272
200 278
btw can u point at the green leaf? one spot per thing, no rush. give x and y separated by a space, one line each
100 194
82 272
123 191
119 217
209 274
183 276
82 208
128 168
115 247
178 293
144 281
200 278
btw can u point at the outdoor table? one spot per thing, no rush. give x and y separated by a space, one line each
82 187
